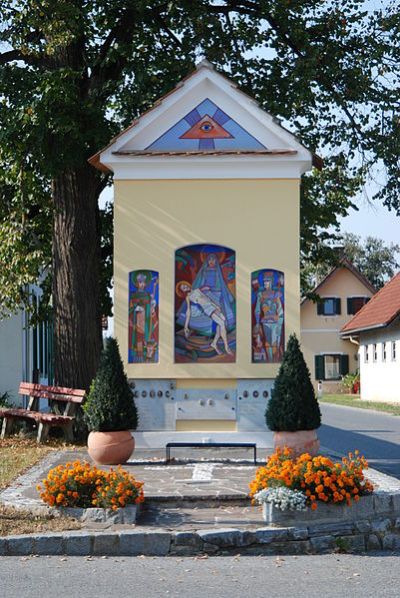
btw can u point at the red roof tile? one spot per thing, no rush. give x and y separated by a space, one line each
379 311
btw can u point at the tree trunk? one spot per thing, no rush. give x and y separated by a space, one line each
76 266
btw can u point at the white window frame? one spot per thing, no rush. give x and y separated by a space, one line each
338 355
394 347
328 298
375 352
366 353
384 351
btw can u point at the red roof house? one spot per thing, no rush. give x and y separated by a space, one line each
377 328
379 312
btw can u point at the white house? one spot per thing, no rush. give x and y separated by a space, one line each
25 352
377 328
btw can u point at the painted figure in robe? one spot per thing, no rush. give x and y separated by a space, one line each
208 274
269 320
197 299
143 317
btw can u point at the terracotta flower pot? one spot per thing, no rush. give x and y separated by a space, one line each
110 448
303 441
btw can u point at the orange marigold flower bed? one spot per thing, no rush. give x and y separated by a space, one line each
319 478
80 484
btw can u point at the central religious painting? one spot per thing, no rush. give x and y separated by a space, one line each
205 304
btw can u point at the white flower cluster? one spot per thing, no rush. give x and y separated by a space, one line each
282 498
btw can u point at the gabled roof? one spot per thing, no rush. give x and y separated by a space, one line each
379 312
343 263
206 114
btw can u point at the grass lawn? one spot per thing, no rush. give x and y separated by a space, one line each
355 401
17 455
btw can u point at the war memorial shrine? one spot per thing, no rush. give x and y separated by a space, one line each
206 259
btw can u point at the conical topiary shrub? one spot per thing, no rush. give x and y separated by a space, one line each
110 405
293 406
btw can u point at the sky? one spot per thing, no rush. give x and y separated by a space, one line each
374 220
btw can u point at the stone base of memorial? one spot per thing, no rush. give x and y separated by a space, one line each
126 515
325 513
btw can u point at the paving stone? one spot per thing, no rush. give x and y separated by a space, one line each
3 546
49 544
396 503
106 544
176 501
277 548
381 525
356 542
363 526
382 502
266 535
20 545
321 544
137 542
298 533
77 544
223 537
391 542
186 539
373 542
363 508
210 548
335 529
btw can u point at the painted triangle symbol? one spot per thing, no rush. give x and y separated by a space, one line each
206 128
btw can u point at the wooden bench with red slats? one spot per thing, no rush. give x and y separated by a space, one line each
63 402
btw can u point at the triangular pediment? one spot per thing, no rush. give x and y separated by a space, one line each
205 115
207 126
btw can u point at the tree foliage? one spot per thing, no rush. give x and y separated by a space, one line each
293 405
375 259
73 73
110 406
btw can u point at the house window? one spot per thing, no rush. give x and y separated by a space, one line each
366 353
329 306
331 366
393 350
383 351
42 346
354 304
374 352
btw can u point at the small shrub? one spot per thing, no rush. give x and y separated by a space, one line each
82 485
319 478
293 405
351 383
110 405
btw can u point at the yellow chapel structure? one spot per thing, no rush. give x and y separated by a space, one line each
206 259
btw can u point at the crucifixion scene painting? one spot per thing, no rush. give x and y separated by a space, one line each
143 317
205 304
267 307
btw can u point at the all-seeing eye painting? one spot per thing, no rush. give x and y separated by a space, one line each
143 317
205 304
267 314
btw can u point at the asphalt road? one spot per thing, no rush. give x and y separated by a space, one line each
218 577
376 435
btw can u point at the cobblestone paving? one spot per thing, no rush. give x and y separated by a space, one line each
181 495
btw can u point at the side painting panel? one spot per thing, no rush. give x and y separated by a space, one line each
143 317
205 304
267 316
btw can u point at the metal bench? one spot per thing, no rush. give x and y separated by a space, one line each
171 445
63 402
